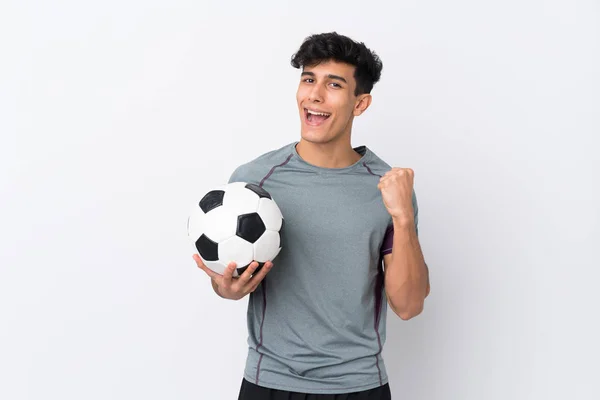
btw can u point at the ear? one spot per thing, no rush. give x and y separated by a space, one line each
362 103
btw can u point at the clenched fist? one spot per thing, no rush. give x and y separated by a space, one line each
396 188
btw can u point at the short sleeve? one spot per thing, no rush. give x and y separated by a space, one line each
388 239
236 175
416 211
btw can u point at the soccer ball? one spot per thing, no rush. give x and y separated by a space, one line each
237 222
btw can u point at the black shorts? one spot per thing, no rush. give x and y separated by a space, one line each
250 391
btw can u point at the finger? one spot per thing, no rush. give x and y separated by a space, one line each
204 268
245 277
228 274
405 171
198 260
386 176
260 275
382 183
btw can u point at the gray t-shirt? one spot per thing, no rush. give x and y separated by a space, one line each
316 324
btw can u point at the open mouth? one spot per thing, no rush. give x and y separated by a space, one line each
315 117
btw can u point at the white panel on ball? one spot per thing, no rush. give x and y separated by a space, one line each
196 223
267 246
239 199
270 214
236 249
220 223
215 266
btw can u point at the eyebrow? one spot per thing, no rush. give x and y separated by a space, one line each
330 76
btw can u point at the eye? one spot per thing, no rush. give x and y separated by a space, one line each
307 80
336 85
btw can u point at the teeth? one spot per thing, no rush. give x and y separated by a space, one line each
318 113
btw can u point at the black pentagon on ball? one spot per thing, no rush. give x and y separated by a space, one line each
212 199
250 227
207 248
242 269
258 190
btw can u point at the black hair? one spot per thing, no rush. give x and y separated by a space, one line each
323 47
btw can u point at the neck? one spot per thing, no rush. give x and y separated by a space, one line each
328 155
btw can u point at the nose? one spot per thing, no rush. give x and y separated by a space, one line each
316 95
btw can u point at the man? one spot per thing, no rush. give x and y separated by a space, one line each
316 319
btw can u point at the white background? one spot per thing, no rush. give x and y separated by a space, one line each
116 115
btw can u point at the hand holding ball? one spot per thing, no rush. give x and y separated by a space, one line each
238 222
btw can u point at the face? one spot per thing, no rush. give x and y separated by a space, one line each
327 103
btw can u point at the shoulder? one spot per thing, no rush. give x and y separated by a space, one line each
259 166
375 164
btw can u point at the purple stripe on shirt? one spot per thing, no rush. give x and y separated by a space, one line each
264 293
369 169
379 287
386 248
264 282
273 169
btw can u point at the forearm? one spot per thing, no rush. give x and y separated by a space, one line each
406 275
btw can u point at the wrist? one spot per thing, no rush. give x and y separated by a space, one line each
403 223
